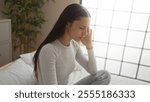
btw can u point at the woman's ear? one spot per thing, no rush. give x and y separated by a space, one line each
68 25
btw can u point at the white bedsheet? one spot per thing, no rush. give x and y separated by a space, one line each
17 73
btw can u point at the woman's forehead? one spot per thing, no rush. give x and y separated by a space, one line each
83 21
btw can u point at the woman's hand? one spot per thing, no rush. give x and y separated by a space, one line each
87 38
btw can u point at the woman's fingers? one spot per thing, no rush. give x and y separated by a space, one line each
88 32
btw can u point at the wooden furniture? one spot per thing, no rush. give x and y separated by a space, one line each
5 41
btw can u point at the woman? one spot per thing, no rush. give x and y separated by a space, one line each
56 57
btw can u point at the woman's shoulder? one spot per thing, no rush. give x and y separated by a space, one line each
48 52
50 47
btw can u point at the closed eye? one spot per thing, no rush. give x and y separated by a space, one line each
82 28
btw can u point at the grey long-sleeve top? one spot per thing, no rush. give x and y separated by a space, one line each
57 62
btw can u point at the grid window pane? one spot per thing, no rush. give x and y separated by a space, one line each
141 6
93 15
104 17
89 3
121 35
106 4
118 36
138 21
100 63
132 55
113 49
145 60
124 5
148 27
129 70
101 34
121 19
147 41
135 39
100 49
113 66
144 73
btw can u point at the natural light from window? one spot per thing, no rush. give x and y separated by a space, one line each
121 36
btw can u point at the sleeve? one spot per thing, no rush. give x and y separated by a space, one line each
88 63
47 63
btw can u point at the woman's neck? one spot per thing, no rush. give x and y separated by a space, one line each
65 40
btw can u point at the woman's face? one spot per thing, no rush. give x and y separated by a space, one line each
78 28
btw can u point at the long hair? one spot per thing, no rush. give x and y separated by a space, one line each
71 13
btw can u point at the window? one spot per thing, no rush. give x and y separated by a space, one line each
121 36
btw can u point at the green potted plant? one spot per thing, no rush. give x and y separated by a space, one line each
26 19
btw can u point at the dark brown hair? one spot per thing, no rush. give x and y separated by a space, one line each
71 13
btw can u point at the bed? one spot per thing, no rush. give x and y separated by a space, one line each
20 72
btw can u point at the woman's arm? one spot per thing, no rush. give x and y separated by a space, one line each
88 63
47 66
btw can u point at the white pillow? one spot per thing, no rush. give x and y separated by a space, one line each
17 73
28 58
